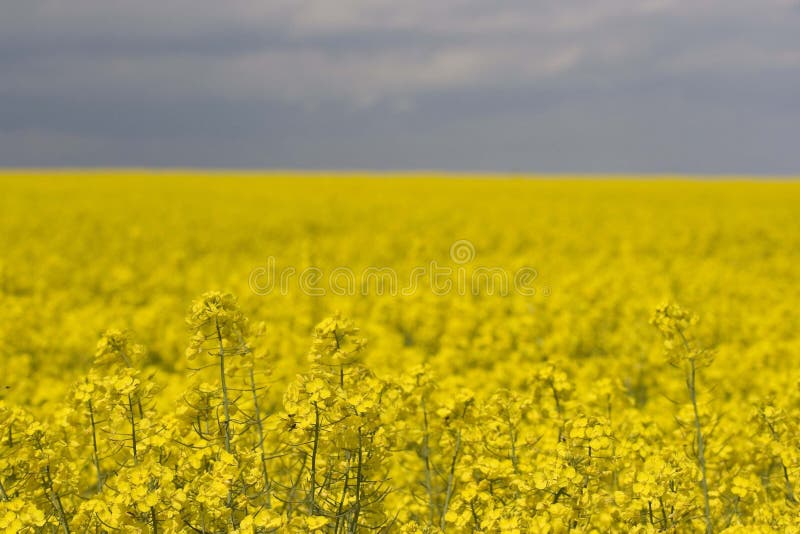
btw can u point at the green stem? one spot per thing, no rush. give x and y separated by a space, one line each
225 405
701 454
260 428
701 449
312 495
154 520
56 500
789 489
426 456
226 424
344 495
133 428
359 477
96 456
450 481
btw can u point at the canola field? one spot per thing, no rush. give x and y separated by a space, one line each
251 353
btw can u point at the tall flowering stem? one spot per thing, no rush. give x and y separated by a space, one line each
674 323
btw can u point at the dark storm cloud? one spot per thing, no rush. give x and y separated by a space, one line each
571 86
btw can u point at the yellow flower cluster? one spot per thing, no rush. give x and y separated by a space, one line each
422 411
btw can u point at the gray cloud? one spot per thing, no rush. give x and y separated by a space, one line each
565 86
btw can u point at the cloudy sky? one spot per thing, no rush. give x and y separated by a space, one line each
685 86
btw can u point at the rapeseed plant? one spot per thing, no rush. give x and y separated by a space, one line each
675 324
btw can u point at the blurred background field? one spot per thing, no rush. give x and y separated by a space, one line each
85 251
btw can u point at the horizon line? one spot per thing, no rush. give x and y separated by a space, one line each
359 172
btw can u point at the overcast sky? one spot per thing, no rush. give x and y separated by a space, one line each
691 86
